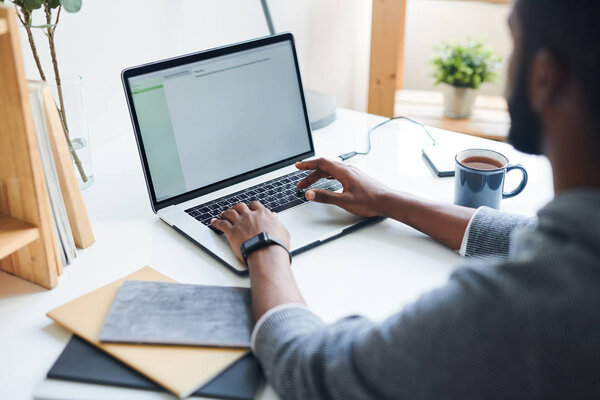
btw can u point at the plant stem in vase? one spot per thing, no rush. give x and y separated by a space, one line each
27 25
51 28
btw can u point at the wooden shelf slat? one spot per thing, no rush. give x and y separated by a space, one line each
15 234
3 26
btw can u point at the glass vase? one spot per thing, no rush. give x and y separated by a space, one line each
76 126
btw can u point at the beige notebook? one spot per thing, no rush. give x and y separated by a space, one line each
179 369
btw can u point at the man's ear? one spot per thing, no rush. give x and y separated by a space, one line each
546 80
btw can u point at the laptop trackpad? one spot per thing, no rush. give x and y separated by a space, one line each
306 223
312 221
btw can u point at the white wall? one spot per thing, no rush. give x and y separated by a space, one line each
102 39
98 42
332 38
333 42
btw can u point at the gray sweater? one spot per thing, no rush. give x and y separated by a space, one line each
521 321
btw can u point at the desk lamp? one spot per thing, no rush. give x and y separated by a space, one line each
321 106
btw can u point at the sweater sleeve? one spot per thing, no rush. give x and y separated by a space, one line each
460 341
489 231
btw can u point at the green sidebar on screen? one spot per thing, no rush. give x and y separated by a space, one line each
158 137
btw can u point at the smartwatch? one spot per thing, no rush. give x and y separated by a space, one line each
260 241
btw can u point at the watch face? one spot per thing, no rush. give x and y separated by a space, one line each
253 241
258 242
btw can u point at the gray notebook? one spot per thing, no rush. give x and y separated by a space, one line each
179 314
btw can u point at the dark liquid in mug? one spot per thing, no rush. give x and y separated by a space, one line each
481 163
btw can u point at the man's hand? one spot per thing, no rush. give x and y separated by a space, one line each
271 284
242 222
362 195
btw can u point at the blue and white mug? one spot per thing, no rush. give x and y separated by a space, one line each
479 178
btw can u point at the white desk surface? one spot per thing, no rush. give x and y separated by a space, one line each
373 272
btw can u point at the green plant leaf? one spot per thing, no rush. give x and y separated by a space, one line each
464 65
71 6
54 3
32 4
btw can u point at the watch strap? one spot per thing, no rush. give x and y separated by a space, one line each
258 242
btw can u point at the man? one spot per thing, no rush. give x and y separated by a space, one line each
523 324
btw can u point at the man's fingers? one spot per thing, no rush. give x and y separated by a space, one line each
325 196
221 224
241 208
230 215
256 205
312 178
332 168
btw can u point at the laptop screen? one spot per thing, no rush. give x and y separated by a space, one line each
207 121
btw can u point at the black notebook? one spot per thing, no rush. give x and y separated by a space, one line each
83 362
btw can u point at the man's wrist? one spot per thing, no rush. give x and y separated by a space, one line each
387 202
270 255
396 205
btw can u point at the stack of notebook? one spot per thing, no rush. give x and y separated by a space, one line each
181 363
66 242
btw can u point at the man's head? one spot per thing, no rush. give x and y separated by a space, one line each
556 56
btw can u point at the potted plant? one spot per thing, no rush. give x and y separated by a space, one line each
462 69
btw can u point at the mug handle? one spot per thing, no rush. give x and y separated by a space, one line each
521 186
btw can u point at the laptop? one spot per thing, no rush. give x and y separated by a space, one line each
224 126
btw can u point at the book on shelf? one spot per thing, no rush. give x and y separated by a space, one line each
62 228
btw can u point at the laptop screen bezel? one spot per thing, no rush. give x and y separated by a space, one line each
193 58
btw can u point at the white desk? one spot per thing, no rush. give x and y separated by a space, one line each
373 271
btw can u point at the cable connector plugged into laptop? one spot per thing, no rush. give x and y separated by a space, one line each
347 156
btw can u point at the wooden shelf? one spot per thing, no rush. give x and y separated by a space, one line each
490 117
32 248
15 234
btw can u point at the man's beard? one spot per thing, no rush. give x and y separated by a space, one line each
525 131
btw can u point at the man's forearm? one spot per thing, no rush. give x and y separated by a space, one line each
445 223
272 280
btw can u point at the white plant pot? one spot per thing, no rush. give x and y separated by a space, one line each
458 102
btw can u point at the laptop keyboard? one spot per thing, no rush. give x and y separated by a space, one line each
277 195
